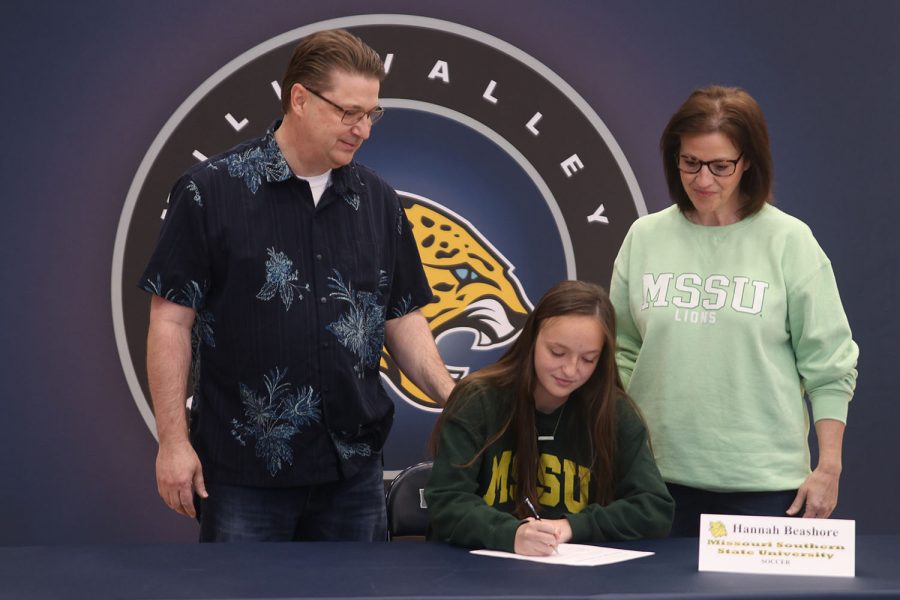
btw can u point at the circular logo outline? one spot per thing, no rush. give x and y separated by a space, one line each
293 35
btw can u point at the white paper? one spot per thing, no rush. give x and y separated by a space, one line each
576 555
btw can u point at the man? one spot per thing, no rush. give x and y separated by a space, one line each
282 268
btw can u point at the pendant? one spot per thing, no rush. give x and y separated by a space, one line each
546 438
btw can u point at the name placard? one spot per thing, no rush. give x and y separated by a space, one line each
777 545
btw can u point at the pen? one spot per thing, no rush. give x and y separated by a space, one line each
531 508
537 517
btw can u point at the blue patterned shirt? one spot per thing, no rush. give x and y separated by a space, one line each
291 300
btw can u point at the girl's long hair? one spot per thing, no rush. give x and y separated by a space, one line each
515 372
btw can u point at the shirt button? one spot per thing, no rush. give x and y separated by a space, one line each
318 257
323 300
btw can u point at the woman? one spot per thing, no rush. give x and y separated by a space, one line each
544 446
728 312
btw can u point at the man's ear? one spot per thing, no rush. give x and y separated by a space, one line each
299 96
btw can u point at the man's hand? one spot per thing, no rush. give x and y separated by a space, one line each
178 469
178 475
410 342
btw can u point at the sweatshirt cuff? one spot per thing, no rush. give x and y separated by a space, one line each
581 527
506 535
830 404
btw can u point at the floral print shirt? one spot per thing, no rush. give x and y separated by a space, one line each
291 300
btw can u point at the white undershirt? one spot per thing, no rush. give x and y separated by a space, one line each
317 184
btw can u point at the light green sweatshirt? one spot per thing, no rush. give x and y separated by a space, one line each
720 331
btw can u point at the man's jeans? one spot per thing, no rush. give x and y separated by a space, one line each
350 510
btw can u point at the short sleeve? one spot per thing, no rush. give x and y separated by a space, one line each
179 269
409 287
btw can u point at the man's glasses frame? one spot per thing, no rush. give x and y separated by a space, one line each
351 117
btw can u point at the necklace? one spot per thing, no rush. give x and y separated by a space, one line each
552 436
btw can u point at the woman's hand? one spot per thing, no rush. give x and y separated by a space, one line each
536 538
817 496
819 493
564 528
540 538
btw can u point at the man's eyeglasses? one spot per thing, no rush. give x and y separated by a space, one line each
719 168
352 116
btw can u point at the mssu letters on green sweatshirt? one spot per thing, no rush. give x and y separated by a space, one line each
471 506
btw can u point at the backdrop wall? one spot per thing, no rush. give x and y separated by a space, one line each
87 88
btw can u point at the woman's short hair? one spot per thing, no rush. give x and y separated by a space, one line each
318 55
734 113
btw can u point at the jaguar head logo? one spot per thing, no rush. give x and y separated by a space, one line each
475 288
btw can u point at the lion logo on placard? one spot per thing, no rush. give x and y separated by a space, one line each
718 529
473 283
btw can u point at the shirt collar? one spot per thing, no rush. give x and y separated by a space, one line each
346 180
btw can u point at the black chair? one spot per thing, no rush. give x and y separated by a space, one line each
407 513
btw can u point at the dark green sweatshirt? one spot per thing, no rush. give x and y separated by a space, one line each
472 506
